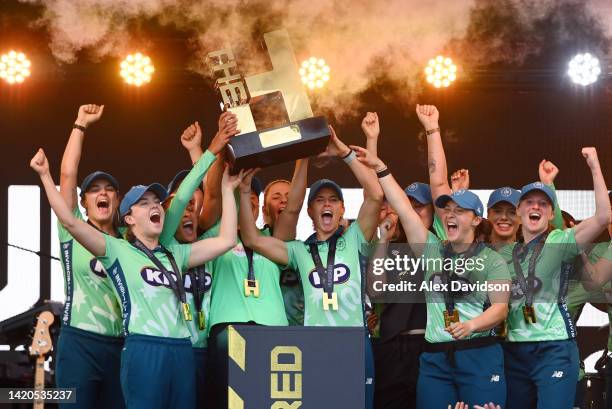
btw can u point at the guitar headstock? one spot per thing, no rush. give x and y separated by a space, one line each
41 341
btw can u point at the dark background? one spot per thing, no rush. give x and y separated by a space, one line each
499 121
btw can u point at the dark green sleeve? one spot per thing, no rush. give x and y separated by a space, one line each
439 228
174 214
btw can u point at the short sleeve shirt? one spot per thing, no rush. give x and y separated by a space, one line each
470 300
149 305
90 301
348 271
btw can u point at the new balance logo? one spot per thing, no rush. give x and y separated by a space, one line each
557 374
494 378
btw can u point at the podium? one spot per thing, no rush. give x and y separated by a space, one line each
295 367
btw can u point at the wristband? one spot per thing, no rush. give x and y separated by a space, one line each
383 173
347 155
430 131
350 157
80 127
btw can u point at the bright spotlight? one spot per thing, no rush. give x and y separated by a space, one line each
137 69
314 72
584 69
14 67
441 71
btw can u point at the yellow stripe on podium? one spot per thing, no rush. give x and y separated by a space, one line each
233 400
236 347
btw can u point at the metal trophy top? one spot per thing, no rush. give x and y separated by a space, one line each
276 96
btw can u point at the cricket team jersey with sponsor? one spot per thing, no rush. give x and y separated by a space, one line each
90 304
228 301
552 270
487 267
347 278
149 305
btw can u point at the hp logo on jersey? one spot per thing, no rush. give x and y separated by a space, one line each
154 277
341 275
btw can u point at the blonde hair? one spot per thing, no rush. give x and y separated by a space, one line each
269 185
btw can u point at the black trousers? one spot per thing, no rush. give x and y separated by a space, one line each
396 365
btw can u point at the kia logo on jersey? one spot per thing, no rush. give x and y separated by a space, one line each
341 275
96 267
155 277
188 282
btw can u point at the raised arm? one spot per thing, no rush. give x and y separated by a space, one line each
192 141
372 192
590 228
211 206
416 232
371 129
286 225
548 171
436 159
88 114
91 238
207 249
270 247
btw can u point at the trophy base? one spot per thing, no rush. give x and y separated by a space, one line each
295 140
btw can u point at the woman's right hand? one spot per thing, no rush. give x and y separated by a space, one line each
367 158
40 163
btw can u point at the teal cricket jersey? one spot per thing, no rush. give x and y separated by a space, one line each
469 304
347 279
172 220
228 302
149 305
90 302
553 321
577 295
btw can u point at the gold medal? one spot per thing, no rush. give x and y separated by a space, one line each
449 319
186 312
330 299
529 314
201 320
251 287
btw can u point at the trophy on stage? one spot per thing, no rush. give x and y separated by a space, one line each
275 120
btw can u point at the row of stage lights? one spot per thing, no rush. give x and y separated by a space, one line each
137 69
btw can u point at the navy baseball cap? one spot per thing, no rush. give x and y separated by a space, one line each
256 186
421 192
98 174
504 194
176 180
464 199
535 186
136 192
316 187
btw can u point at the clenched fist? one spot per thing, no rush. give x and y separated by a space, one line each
192 136
428 115
39 163
547 172
590 154
370 125
88 114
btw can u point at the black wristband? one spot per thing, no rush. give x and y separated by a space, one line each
383 173
77 126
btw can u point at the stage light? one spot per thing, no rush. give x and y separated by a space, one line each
441 72
584 69
136 69
314 72
14 67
